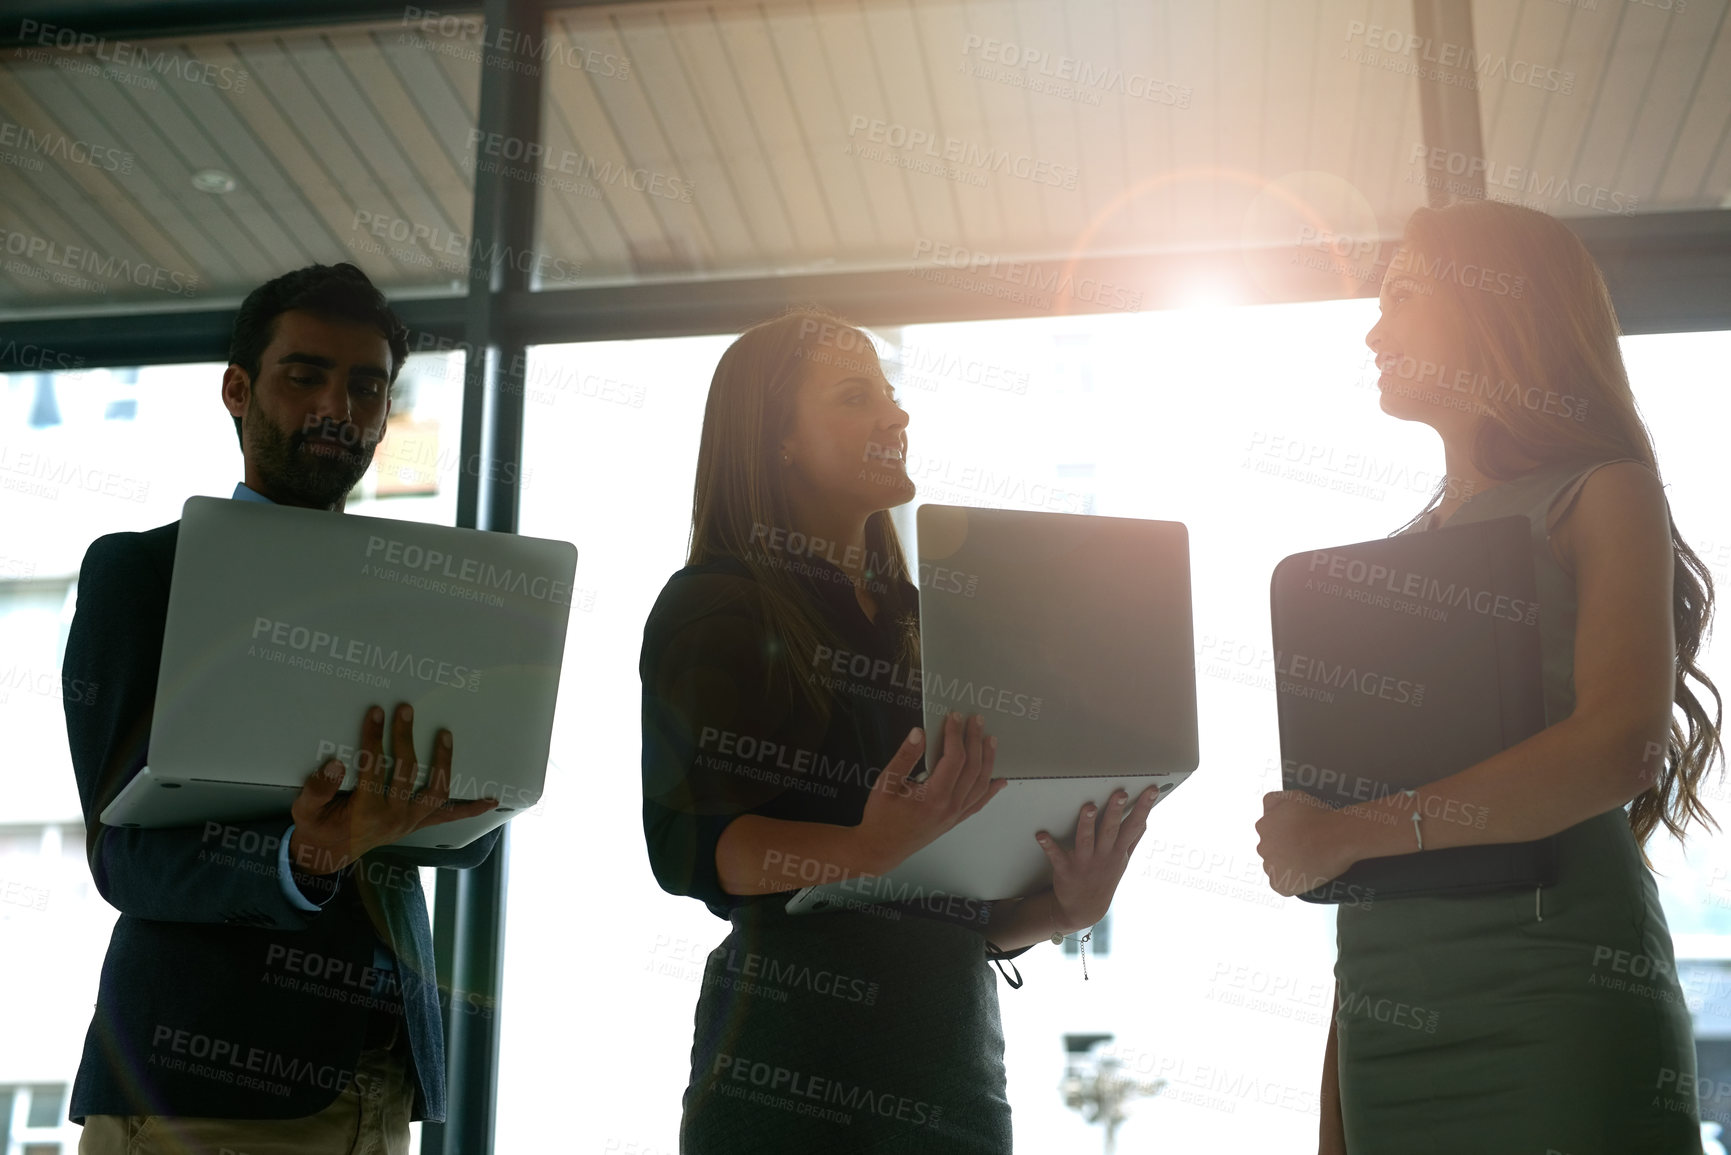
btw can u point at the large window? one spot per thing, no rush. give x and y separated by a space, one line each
1260 429
81 455
664 167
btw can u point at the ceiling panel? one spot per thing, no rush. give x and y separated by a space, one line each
687 141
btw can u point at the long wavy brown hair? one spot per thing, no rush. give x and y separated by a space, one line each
741 490
1544 320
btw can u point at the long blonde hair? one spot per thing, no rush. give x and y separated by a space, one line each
741 495
1543 321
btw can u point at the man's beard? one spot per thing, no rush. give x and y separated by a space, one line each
304 477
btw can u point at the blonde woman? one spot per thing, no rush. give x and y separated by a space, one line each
1496 1023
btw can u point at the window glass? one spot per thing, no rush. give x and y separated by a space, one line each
81 455
1260 429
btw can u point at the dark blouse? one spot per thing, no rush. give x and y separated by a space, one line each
722 738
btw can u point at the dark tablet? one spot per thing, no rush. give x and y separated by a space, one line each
1401 661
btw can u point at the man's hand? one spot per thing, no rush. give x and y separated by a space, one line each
333 830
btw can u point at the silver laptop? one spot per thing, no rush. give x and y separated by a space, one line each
285 625
1071 635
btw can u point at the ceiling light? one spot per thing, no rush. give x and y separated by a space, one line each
212 180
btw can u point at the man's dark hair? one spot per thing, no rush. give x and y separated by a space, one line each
339 291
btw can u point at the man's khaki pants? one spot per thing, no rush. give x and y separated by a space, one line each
370 1117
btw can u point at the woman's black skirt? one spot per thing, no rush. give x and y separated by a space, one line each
851 1031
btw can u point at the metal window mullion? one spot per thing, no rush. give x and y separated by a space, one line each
469 932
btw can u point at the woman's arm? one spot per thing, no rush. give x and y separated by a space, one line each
1031 920
1599 758
759 855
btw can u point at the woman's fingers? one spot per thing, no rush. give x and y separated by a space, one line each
1085 823
1135 823
986 795
1116 807
973 774
941 782
978 775
1055 854
894 778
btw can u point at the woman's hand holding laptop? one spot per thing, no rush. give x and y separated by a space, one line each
1085 877
901 816
332 830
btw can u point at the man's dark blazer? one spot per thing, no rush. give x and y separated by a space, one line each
205 1007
